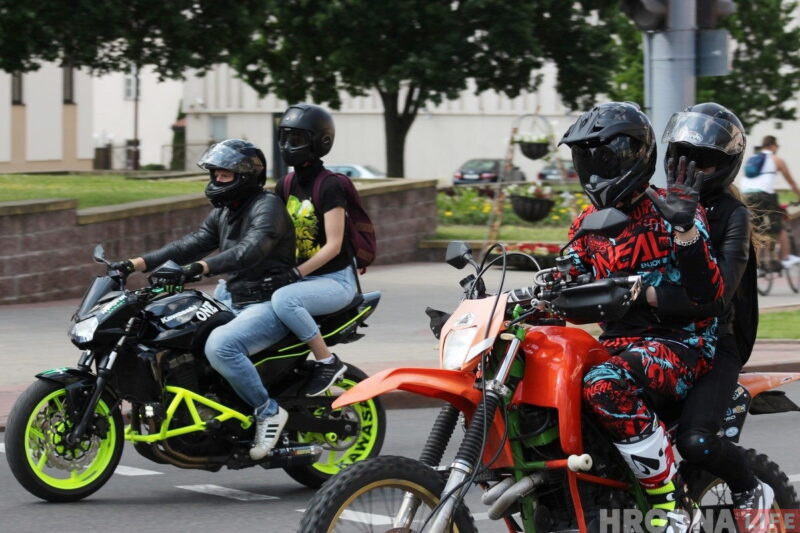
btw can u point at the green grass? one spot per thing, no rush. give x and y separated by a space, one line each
92 191
507 233
779 325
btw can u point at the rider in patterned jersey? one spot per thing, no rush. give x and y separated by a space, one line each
666 242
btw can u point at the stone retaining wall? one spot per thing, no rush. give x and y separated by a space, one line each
46 245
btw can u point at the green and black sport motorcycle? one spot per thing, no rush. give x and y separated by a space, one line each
65 433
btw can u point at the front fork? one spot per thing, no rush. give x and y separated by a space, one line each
103 371
468 455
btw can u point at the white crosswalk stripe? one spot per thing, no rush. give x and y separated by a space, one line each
794 478
131 471
2 447
373 519
224 492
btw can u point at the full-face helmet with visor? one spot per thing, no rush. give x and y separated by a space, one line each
245 160
305 133
711 136
614 152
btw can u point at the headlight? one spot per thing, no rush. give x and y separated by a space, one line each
83 331
456 347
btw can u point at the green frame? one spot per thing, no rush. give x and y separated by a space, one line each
187 398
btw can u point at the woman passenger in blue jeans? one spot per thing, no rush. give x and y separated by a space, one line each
324 280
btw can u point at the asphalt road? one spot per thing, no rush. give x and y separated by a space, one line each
144 496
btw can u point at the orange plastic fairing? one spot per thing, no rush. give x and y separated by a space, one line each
556 358
758 382
456 387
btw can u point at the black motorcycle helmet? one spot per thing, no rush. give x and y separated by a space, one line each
245 160
614 152
711 136
305 133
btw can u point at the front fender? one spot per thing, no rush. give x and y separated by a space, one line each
74 379
453 386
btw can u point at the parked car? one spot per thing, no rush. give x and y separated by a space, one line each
484 171
552 173
357 171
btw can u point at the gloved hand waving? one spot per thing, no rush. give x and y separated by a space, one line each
683 194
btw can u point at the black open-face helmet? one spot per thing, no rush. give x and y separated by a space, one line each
245 160
614 152
711 136
305 133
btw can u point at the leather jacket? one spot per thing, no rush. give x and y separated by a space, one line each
254 241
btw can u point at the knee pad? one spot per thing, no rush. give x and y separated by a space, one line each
697 447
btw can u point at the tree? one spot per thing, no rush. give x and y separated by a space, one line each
765 75
123 35
415 52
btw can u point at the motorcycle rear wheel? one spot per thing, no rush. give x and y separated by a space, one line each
38 455
366 496
713 495
370 416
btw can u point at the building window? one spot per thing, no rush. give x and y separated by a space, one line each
133 86
16 88
219 128
69 84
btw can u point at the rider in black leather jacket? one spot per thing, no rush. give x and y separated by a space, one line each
256 241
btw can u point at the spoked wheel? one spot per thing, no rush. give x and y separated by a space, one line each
373 496
368 417
766 272
793 272
713 496
38 453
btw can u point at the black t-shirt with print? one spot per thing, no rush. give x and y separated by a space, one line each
309 221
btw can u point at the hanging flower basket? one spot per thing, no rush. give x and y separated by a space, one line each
531 209
534 150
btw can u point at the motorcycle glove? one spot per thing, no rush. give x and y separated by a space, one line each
126 266
683 194
193 270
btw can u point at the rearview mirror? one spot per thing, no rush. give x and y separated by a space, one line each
99 254
608 222
458 254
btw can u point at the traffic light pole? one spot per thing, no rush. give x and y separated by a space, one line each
670 84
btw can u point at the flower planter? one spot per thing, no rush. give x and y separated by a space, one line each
534 150
531 209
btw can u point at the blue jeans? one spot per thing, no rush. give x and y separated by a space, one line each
255 328
295 304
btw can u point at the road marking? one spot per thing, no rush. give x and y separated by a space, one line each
234 494
794 478
131 471
383 520
2 447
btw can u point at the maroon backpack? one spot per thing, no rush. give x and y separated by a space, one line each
360 231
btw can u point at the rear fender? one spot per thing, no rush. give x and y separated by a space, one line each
745 399
456 387
758 382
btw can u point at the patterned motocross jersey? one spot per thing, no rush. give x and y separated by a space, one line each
646 247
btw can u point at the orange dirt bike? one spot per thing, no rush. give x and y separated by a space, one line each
514 370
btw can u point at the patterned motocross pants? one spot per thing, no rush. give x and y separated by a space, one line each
615 390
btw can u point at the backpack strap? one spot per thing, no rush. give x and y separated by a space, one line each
286 187
317 188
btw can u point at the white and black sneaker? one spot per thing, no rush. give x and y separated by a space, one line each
268 430
752 507
324 375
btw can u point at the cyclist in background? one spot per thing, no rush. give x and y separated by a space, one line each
760 194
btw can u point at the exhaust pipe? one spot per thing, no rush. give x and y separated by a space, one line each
505 498
294 456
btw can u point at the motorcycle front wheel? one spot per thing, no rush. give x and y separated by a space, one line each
370 419
369 496
39 456
713 496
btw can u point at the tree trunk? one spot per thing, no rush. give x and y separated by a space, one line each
396 126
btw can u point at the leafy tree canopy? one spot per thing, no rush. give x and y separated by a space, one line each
765 74
415 52
114 35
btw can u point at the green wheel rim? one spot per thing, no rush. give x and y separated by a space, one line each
53 462
337 455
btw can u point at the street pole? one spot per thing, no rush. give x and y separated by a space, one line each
672 67
135 147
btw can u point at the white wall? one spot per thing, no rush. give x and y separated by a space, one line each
43 97
113 116
84 98
5 117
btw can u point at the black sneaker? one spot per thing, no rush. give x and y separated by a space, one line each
323 376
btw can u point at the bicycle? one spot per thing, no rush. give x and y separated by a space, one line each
769 267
